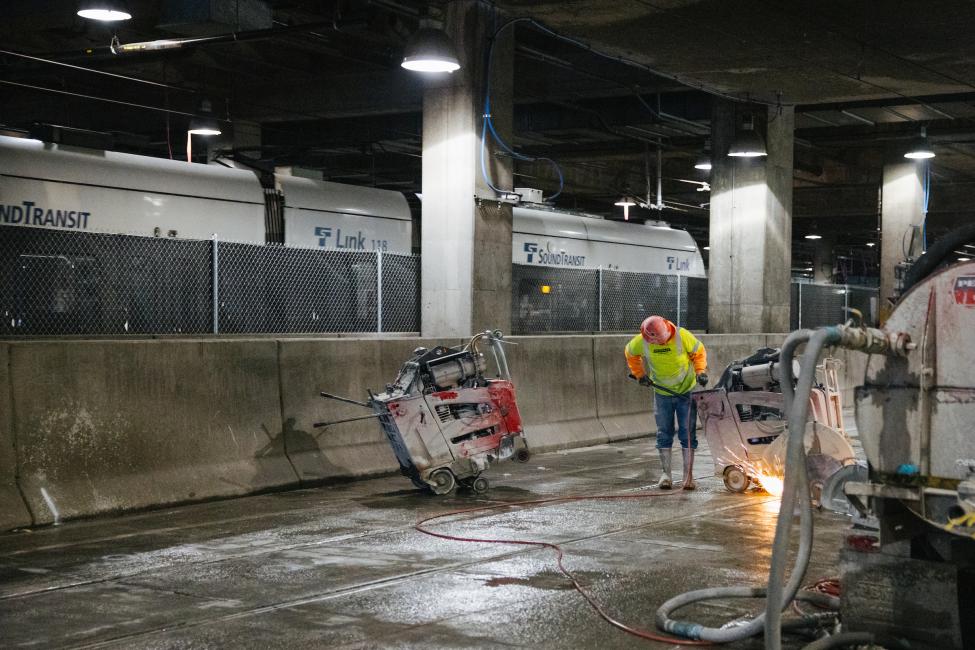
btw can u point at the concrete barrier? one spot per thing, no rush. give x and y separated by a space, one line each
13 510
555 380
343 367
624 407
115 425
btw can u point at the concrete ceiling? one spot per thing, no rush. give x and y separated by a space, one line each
324 89
805 52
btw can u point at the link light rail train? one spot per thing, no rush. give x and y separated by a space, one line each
49 186
52 186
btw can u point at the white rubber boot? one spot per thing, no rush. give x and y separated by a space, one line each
665 483
688 483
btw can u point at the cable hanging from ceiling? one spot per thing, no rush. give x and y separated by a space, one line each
487 122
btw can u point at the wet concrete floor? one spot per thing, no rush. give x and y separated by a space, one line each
342 566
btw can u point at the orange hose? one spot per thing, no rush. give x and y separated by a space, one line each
643 634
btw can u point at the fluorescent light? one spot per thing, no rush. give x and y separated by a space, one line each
430 50
626 202
964 259
808 269
703 164
706 248
814 236
870 244
107 11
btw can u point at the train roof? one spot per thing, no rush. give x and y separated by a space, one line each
323 196
33 159
560 223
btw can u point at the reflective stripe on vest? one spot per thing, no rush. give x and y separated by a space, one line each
673 376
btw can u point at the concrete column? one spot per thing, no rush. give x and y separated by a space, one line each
823 259
902 200
466 232
751 224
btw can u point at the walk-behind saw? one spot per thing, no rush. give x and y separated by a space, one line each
744 416
446 421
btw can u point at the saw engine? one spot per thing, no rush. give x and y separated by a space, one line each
744 417
446 421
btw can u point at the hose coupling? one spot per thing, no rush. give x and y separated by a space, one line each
871 340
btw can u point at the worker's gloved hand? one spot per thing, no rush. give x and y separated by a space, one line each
702 379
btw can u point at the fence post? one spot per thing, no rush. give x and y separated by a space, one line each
600 297
678 301
799 325
846 303
216 283
379 290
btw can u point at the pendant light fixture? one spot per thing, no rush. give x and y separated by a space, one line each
704 161
204 123
430 50
921 149
747 143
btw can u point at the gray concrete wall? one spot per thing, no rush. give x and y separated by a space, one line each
115 425
13 510
554 378
118 425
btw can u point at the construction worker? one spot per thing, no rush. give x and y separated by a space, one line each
672 363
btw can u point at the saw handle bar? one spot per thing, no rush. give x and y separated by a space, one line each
649 384
345 399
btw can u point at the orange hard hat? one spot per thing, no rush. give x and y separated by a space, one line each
655 330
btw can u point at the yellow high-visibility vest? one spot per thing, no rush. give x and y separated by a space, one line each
668 365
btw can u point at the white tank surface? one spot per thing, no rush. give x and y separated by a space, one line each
53 186
547 237
333 216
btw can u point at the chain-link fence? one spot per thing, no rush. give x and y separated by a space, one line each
816 305
57 282
551 299
69 283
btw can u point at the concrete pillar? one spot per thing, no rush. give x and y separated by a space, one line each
902 201
751 224
823 259
466 232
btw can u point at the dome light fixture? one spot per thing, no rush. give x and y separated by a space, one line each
813 236
747 143
921 149
204 124
106 11
430 50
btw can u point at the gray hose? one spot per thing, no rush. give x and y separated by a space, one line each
753 627
797 405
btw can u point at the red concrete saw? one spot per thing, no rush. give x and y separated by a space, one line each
445 420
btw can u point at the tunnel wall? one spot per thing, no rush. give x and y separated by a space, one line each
99 426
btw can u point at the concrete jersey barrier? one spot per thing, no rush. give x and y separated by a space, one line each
104 426
116 425
13 510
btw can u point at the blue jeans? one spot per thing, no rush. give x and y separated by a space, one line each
669 407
